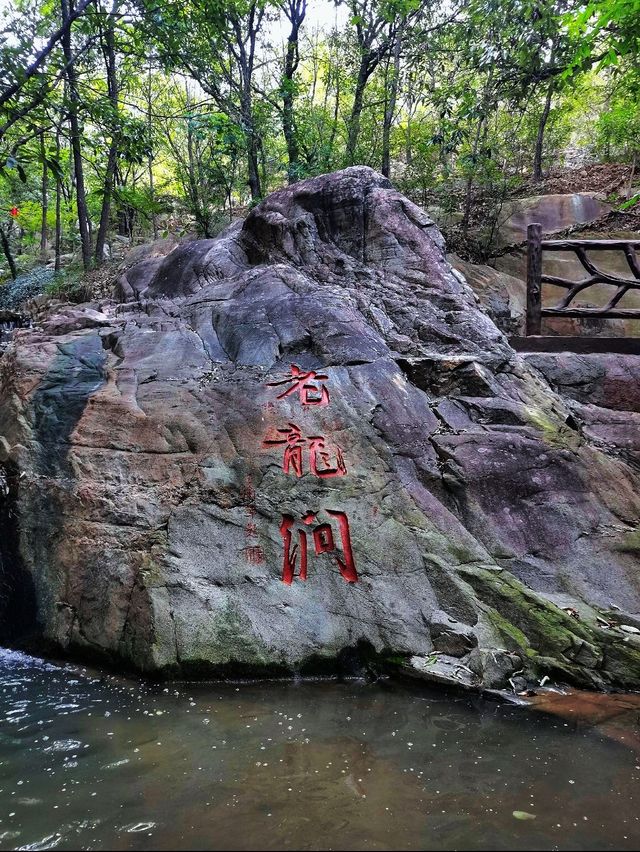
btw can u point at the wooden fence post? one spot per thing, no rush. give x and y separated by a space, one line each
534 279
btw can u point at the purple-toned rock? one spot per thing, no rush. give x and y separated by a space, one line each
302 438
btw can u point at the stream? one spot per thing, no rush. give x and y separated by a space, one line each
95 761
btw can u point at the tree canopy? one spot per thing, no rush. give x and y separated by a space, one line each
131 119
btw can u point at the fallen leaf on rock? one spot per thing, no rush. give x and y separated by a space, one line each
628 628
572 612
523 815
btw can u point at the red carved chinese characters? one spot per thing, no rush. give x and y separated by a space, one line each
296 552
294 443
308 385
319 459
324 460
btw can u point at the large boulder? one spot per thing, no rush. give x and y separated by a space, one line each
503 296
554 212
303 438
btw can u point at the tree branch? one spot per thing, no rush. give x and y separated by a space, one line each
10 91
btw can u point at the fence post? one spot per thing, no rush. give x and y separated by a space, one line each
534 278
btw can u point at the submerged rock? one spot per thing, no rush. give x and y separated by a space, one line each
315 392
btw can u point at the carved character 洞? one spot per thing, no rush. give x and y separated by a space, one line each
295 555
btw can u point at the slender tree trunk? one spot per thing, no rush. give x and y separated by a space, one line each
481 134
468 197
253 156
264 177
288 125
408 142
74 98
252 143
112 85
6 248
295 11
391 103
44 201
201 214
629 191
152 197
105 211
334 125
542 124
356 111
58 237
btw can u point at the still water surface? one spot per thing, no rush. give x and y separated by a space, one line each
92 761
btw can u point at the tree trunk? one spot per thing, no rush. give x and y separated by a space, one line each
334 126
356 111
481 133
58 237
6 248
194 182
468 197
537 159
295 12
391 103
629 191
408 143
154 220
288 124
253 157
74 101
112 85
105 212
44 202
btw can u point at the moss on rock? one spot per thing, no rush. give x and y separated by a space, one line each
552 640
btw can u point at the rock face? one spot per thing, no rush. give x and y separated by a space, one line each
502 296
553 212
604 395
315 392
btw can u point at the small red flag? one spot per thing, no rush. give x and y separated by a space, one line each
14 212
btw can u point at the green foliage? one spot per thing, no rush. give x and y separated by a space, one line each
617 126
187 124
67 285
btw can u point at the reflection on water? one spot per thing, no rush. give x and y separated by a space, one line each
97 762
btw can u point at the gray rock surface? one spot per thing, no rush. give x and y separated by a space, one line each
317 377
503 296
554 212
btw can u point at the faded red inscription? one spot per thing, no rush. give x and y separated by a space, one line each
296 545
254 554
308 385
251 529
324 462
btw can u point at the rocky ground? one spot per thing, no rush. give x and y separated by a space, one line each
304 442
605 179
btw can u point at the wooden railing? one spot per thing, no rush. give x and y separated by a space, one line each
536 278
